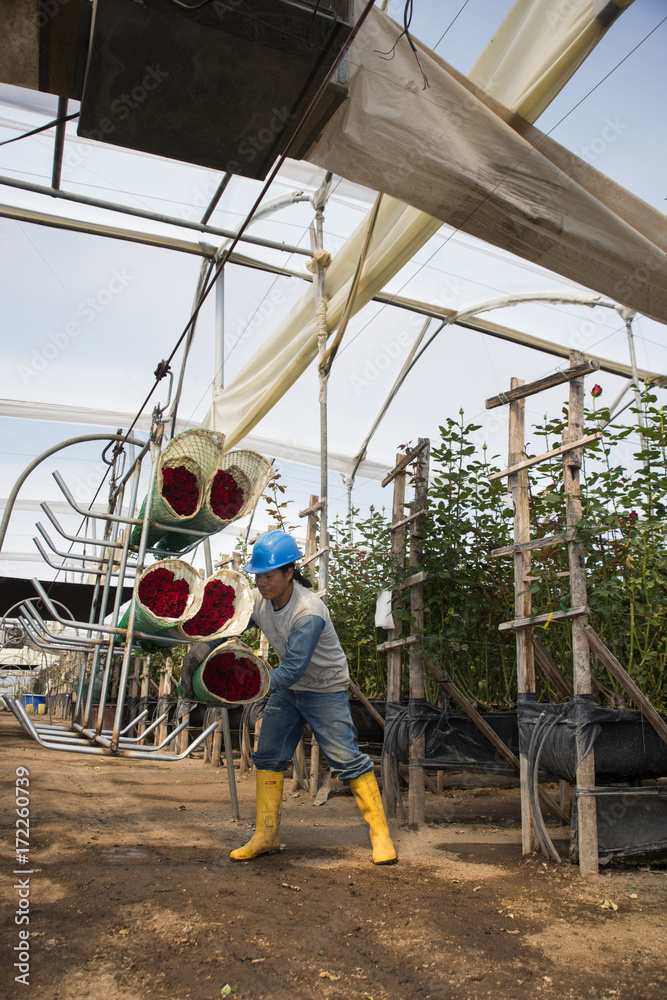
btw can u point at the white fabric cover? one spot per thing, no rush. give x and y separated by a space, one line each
538 47
458 157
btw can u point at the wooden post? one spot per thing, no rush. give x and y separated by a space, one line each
164 688
394 655
145 680
184 737
525 663
416 800
217 746
587 809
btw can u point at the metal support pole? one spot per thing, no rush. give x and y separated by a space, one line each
127 656
59 145
394 655
219 377
628 315
119 594
229 760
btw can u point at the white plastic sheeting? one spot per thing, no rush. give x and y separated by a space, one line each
457 156
461 157
538 47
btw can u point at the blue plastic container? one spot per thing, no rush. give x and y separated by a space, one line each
35 700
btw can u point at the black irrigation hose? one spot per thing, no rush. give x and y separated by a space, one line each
541 730
390 757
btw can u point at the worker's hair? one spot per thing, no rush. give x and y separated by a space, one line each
297 576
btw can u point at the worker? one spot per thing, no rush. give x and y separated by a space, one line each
309 686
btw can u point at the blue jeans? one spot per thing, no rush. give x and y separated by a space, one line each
328 715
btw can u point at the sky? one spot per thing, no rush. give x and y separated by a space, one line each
84 320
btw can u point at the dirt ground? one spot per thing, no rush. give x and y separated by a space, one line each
132 896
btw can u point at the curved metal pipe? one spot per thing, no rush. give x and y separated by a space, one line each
17 709
81 439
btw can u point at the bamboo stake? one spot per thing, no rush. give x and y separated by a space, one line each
394 654
587 812
417 751
525 664
619 674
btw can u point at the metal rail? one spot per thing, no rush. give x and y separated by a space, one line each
99 751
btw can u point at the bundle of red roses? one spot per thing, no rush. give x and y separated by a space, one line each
216 609
163 594
232 678
226 495
180 489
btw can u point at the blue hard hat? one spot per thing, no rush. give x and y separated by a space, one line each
272 550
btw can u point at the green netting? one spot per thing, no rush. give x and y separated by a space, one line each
250 471
200 452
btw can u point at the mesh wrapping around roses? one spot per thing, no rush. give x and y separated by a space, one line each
250 471
199 451
145 619
240 652
242 607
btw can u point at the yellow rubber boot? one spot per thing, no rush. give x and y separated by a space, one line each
366 792
266 838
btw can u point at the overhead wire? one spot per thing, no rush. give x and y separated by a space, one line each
41 128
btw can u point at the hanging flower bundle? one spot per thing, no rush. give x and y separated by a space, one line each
166 594
185 468
232 491
225 609
232 678
232 673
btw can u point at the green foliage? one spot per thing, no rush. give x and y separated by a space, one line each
358 571
468 593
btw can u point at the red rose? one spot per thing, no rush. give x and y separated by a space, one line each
226 495
232 678
596 391
179 489
162 594
216 609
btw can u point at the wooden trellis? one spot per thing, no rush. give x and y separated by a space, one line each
396 641
584 638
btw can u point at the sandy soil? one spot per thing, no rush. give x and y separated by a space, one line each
132 896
